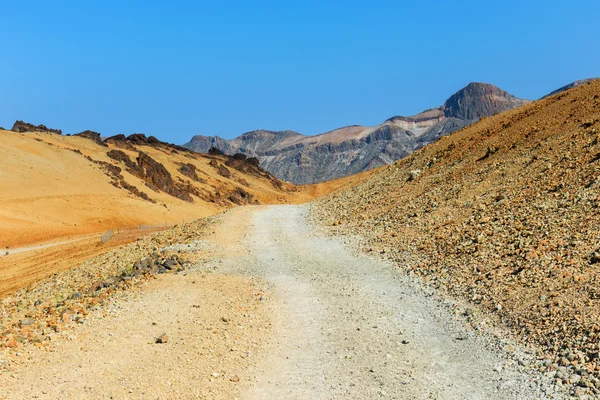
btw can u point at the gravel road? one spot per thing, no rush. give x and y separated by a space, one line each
347 326
272 309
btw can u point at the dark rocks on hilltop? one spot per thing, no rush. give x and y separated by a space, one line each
141 139
117 138
95 136
213 151
155 174
21 126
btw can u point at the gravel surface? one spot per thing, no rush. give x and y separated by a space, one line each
272 308
347 326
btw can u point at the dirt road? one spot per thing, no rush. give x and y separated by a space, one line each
281 312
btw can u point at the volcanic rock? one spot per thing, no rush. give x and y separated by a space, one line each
21 126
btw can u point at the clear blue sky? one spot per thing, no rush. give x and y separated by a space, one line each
175 69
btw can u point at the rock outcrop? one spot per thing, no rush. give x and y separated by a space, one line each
349 150
94 136
21 126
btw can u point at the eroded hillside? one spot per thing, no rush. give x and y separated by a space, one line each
504 215
56 186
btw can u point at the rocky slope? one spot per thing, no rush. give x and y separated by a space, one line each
505 216
308 159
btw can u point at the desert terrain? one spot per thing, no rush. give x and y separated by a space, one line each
465 270
264 306
60 194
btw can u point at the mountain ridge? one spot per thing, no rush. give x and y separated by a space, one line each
351 149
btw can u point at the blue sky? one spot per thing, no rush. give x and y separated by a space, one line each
175 69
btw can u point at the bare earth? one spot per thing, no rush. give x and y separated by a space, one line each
277 311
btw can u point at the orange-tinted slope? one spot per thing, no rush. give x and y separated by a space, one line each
504 214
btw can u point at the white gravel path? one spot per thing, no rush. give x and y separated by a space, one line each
351 327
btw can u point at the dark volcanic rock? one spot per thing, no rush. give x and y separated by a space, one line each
95 136
133 168
119 155
140 138
213 151
189 170
155 173
21 126
157 176
223 171
117 138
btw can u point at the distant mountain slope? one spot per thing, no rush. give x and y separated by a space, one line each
301 159
570 86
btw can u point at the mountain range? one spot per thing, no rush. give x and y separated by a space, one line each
303 159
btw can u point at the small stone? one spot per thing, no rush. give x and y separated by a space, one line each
162 339
26 322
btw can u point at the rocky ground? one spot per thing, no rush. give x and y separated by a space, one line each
257 304
502 215
33 314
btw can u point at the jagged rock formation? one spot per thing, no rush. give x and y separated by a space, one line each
21 126
309 159
95 136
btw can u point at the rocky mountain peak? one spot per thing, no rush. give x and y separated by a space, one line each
478 100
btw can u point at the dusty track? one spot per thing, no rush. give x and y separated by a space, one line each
304 318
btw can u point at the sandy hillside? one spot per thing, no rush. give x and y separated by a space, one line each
503 214
54 186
